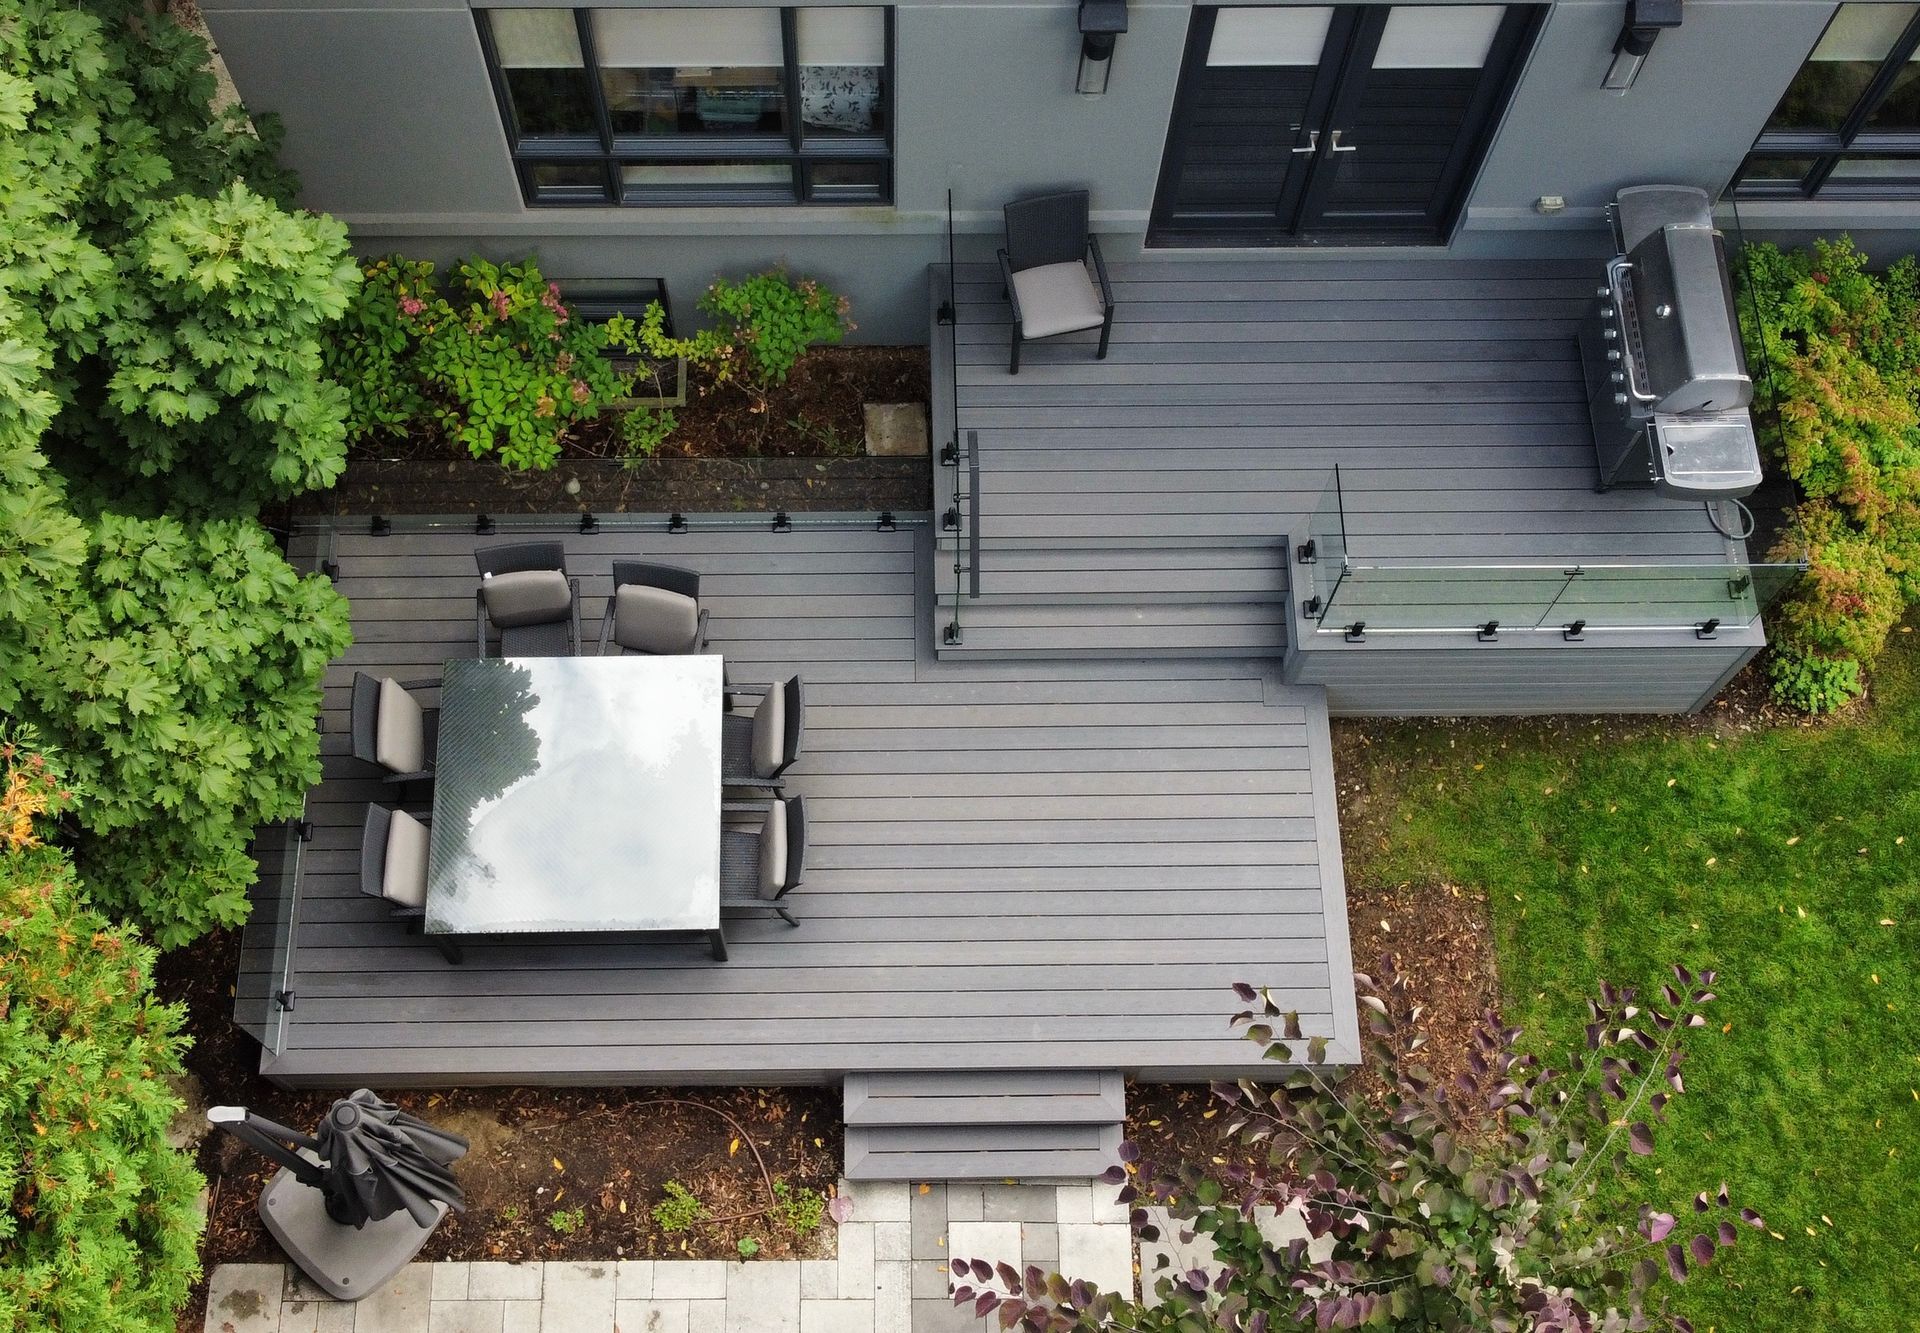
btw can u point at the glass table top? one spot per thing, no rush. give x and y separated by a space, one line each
576 794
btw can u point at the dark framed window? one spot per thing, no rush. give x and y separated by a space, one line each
660 106
1848 126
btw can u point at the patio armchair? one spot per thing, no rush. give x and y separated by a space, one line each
756 750
525 593
393 860
391 731
1044 268
759 869
654 609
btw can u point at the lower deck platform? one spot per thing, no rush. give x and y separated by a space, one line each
1013 865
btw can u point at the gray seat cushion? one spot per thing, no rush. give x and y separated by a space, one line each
654 620
526 597
400 730
773 851
1057 298
405 879
770 732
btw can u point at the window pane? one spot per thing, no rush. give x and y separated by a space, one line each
843 66
1863 171
569 180
1851 52
539 51
1774 174
1267 36
659 182
692 71
1900 108
1438 37
848 182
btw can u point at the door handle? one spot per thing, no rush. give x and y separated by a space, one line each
1337 147
1313 142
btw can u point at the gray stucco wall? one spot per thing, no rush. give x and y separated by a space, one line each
393 127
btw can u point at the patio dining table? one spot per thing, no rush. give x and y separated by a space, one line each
577 796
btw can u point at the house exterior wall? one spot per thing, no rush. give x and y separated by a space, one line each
393 127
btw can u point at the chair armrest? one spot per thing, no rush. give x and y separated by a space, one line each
573 586
1013 297
424 775
700 632
479 623
433 684
408 913
606 630
746 807
1100 270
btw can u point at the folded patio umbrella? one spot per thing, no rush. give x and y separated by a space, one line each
336 1205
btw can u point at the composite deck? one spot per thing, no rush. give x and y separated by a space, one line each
1142 503
1022 865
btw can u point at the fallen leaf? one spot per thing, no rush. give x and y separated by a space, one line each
733 1147
558 1165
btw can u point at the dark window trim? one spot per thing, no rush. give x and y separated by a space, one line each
799 154
1827 147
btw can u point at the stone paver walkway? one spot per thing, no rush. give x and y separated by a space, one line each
889 1275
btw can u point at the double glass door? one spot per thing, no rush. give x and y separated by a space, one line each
1346 124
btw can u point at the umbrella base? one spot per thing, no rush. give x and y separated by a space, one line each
345 1263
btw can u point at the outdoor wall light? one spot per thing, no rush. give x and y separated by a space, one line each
1646 19
1101 23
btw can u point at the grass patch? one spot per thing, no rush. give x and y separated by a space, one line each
1776 857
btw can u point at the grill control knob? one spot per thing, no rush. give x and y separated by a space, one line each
1613 354
1663 310
1606 312
1619 400
1618 378
1609 334
1604 291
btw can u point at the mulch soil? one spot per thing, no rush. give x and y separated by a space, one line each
536 1152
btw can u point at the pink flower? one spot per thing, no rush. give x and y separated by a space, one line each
553 290
413 305
502 305
544 406
564 362
579 391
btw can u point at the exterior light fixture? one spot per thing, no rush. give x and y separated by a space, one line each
1101 22
1646 19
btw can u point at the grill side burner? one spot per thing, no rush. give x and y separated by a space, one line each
1667 382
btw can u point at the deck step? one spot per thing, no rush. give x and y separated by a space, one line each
991 1125
1108 630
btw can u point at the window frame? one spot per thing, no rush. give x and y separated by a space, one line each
793 149
1826 148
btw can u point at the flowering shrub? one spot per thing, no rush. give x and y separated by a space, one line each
775 320
1835 353
1452 1207
494 359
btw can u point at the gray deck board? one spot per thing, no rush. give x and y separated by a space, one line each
1034 866
1447 391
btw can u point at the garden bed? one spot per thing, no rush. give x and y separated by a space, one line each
553 1173
800 448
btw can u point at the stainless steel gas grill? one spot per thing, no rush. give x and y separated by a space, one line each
1667 383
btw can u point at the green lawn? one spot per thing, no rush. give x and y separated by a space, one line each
1788 861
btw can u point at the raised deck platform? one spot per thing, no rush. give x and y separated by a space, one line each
1141 505
1013 865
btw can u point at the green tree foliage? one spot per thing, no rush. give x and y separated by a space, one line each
215 352
183 687
1835 352
100 1229
171 302
159 351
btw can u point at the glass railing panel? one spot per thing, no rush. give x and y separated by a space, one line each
1410 597
1656 596
262 985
